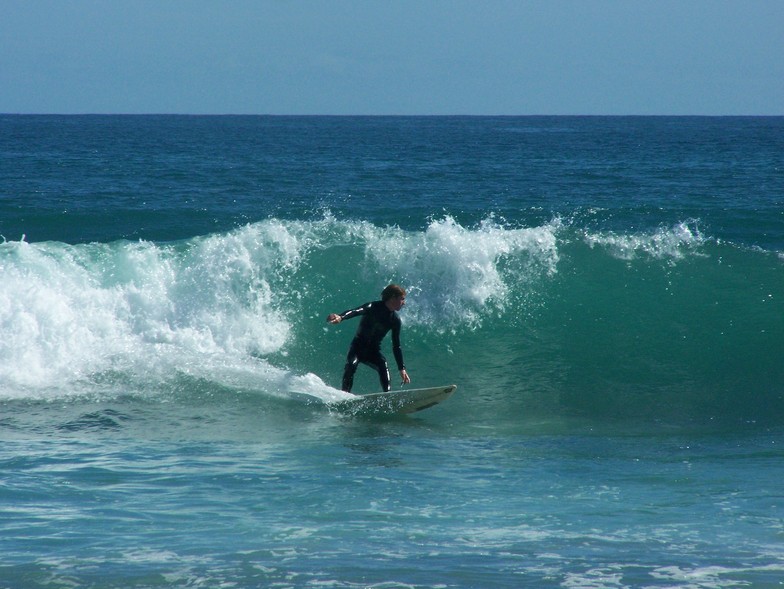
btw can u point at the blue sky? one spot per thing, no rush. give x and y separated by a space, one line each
484 57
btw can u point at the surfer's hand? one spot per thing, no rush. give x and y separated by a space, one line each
404 376
333 318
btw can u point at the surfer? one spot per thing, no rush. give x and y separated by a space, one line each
378 318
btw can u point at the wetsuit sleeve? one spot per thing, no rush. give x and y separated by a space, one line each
351 313
396 349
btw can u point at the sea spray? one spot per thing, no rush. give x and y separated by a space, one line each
663 243
76 311
460 274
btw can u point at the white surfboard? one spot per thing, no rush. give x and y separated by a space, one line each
403 401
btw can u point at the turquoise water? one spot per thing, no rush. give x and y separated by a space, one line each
606 292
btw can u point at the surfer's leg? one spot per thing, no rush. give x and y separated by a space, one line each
348 376
383 375
352 361
378 362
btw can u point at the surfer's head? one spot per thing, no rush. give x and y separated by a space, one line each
393 291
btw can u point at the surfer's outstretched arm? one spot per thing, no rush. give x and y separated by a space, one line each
335 318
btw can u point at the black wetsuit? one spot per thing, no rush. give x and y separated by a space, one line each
377 320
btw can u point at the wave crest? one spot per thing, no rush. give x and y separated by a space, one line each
664 243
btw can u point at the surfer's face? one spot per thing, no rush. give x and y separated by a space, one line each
396 303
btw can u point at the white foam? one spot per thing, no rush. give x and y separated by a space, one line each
68 312
458 272
663 243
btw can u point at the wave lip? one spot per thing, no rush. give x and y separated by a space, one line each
663 243
458 274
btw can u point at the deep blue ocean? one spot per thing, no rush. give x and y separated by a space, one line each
606 292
